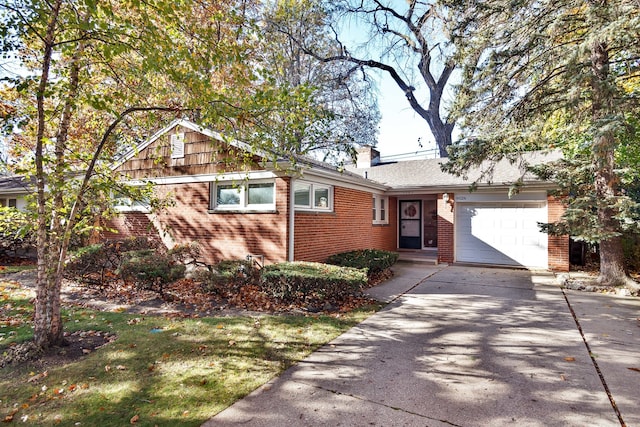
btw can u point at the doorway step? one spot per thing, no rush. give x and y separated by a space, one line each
427 257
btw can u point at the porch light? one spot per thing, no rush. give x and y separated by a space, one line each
445 197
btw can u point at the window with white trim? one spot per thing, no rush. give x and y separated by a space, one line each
11 203
258 195
312 196
177 145
380 205
123 203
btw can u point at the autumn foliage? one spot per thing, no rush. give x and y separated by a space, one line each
135 269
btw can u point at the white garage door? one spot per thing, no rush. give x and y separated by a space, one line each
501 233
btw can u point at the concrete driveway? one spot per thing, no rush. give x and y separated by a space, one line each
462 346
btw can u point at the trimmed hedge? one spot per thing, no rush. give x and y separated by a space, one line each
373 260
147 269
97 264
311 282
227 275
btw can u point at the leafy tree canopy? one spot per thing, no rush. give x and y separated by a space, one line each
556 75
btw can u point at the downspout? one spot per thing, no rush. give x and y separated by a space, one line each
291 220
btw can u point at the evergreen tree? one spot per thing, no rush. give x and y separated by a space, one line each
556 75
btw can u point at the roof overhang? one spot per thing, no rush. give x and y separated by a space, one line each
416 190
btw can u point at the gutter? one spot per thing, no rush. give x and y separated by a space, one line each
292 214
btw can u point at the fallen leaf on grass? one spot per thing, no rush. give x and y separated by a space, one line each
134 419
569 359
9 418
121 368
38 377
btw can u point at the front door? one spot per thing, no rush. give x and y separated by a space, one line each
410 224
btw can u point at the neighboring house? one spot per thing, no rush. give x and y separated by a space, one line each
13 192
308 210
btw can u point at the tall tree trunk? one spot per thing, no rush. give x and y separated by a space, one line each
47 319
612 268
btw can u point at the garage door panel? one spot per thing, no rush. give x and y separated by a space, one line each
501 233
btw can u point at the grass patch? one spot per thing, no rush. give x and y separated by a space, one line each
7 269
163 371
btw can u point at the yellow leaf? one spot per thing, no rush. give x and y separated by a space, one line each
570 359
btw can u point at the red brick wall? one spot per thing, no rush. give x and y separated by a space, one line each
349 227
222 236
135 224
445 229
558 246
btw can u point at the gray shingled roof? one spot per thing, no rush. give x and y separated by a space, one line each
14 184
427 174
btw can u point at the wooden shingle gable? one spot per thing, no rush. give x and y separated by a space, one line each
184 148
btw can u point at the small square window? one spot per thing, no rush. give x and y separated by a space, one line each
321 198
380 209
301 193
374 208
261 193
228 195
13 203
177 145
312 196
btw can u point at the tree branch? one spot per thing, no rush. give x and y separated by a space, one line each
78 204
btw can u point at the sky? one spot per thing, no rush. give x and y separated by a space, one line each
401 128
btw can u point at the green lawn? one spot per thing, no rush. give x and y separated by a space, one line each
159 371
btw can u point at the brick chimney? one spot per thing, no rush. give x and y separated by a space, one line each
367 157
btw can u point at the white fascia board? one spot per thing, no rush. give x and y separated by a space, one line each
188 179
528 186
341 180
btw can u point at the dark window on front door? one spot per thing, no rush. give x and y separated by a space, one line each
410 224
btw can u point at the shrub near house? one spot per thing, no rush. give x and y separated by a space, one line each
305 285
373 260
309 282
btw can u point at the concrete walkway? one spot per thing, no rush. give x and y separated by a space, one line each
462 346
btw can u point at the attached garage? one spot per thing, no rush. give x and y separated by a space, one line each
493 229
